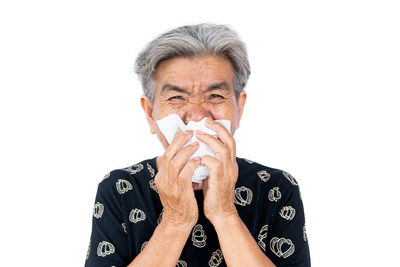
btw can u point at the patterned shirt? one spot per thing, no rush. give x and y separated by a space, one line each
127 210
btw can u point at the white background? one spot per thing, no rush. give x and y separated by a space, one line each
322 104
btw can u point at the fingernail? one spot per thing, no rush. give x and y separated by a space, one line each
195 143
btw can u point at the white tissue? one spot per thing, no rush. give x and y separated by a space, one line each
170 124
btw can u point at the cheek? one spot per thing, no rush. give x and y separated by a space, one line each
165 109
221 111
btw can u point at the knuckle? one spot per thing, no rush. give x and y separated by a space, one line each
232 142
172 163
218 164
192 163
181 176
195 160
179 133
186 152
191 148
206 157
175 166
225 151
168 156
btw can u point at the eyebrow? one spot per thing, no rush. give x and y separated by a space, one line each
222 85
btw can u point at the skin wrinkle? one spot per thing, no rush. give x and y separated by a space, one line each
220 85
194 75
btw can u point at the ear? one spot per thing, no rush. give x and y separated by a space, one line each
148 112
241 102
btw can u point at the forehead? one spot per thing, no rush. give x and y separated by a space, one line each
194 72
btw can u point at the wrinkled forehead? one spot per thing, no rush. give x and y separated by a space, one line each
202 72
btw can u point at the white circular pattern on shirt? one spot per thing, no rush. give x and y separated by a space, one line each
124 227
144 245
300 194
105 248
216 258
98 210
88 251
153 185
106 176
151 170
290 178
262 235
276 245
274 194
123 186
243 196
181 263
135 168
198 236
288 213
137 215
160 217
264 175
249 161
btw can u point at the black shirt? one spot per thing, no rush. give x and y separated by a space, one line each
128 209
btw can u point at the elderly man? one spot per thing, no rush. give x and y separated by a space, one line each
153 213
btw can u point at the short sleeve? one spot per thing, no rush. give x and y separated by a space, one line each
108 244
287 238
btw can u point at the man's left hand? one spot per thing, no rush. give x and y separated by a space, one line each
219 187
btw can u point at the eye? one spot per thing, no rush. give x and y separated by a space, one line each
216 96
177 97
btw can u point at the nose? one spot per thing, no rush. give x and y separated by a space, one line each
196 112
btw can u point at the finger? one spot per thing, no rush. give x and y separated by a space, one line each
218 175
180 139
213 164
182 157
223 135
185 176
221 150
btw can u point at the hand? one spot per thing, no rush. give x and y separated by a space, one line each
219 187
174 182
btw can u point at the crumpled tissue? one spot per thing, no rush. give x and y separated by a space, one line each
170 124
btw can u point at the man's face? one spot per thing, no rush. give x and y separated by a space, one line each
194 88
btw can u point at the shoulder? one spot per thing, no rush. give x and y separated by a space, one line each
122 179
265 176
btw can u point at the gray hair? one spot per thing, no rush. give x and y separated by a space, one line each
189 41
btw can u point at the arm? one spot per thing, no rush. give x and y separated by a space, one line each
234 238
286 240
164 247
174 185
109 241
235 241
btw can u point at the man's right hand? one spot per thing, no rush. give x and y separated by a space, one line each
174 183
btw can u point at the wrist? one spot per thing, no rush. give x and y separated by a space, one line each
226 220
174 228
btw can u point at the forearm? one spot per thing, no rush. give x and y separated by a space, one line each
237 244
164 247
